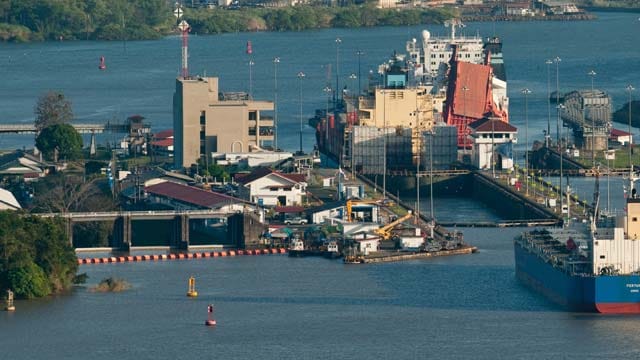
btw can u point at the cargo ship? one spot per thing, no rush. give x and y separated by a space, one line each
591 266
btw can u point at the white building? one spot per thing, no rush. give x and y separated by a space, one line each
267 187
493 141
367 243
8 201
325 212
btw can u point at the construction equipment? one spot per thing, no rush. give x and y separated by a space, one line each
354 202
385 231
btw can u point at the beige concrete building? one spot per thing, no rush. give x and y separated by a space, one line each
206 120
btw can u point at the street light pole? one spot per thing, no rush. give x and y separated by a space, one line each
359 53
338 42
301 75
593 125
557 61
526 92
327 90
251 63
548 139
560 107
629 89
384 145
276 60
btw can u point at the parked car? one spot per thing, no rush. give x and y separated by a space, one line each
296 221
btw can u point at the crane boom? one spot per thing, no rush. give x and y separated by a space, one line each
385 231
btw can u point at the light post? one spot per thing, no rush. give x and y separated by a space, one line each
301 76
352 77
384 145
327 90
276 61
557 61
593 124
629 89
464 109
548 62
526 92
560 107
433 217
359 53
251 63
338 42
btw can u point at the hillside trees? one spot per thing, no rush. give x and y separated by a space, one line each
36 258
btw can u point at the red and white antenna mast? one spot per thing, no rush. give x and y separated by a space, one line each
184 27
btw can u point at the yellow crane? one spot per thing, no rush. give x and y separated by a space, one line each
352 202
385 231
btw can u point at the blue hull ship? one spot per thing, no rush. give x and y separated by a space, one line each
602 293
589 266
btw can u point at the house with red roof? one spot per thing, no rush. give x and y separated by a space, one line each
620 136
267 187
162 143
493 141
184 197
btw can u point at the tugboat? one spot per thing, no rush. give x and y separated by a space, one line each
331 251
296 248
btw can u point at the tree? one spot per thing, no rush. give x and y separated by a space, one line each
62 138
52 108
72 192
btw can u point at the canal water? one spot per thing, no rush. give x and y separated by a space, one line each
275 307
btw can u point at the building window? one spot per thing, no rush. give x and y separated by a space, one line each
252 131
203 117
634 219
253 115
601 256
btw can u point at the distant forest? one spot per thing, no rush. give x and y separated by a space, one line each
39 20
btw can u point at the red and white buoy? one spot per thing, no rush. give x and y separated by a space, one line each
102 65
210 320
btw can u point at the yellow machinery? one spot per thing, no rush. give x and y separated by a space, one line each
385 231
352 202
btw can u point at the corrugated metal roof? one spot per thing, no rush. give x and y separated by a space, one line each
191 195
616 132
261 172
163 143
164 134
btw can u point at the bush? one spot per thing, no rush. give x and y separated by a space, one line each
29 281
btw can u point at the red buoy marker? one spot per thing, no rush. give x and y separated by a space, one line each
102 65
210 320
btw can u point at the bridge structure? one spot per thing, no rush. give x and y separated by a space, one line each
82 128
588 114
122 234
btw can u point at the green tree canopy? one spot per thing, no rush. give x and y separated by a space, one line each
36 258
52 108
62 138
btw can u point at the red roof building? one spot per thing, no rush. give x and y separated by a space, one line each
180 196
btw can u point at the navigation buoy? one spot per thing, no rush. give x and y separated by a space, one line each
102 65
192 288
210 320
9 306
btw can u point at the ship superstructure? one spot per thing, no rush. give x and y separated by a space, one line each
591 266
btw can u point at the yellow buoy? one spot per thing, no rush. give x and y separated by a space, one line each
192 288
9 306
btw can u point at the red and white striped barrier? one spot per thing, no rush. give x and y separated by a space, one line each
179 256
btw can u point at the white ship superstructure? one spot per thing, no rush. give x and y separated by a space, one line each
431 56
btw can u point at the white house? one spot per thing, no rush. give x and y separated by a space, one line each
319 214
367 243
264 186
493 141
620 136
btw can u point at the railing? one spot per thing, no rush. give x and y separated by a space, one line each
111 214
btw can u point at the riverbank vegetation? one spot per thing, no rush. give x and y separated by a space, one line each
36 258
36 20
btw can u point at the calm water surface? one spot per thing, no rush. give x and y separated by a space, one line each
275 307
